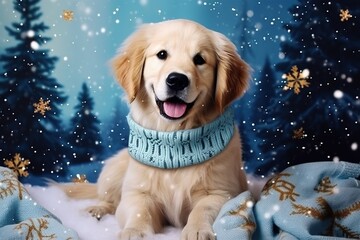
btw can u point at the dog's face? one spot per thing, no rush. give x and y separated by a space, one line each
179 70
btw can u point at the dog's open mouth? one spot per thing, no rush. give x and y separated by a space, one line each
173 108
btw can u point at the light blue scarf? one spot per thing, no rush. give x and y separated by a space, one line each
177 149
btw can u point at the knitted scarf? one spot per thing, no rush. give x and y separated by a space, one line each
177 149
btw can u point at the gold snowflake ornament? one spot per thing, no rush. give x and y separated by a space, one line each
18 165
299 133
345 15
80 178
296 79
42 106
68 15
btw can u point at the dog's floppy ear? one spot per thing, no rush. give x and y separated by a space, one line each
128 64
232 72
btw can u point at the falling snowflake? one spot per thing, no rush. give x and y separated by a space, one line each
68 15
299 133
345 15
80 178
42 106
296 79
18 165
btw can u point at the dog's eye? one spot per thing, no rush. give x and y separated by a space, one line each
198 59
162 55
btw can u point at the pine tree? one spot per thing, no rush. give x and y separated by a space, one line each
266 86
244 38
264 117
244 105
85 136
328 110
117 129
27 78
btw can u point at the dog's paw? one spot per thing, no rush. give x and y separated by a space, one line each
97 211
203 232
132 234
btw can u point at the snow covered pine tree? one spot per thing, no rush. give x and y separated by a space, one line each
26 79
85 137
328 110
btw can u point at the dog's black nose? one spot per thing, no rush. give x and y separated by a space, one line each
177 81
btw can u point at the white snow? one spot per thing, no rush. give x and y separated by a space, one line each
72 214
34 45
338 94
354 146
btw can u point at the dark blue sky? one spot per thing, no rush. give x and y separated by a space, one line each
86 44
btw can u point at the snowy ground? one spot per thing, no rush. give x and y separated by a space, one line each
71 213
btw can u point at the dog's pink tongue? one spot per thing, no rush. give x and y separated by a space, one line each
174 110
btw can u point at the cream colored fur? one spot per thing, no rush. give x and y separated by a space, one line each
144 198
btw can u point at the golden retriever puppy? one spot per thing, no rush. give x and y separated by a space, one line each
184 157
